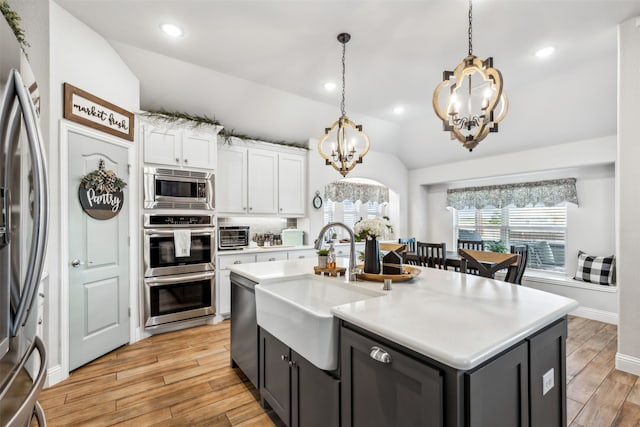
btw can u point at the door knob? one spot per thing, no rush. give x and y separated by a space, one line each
76 262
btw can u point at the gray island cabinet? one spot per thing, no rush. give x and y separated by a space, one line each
387 385
446 349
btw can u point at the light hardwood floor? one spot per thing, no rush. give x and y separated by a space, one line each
183 378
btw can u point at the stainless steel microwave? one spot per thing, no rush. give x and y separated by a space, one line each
178 189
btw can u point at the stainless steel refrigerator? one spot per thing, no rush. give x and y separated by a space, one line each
23 236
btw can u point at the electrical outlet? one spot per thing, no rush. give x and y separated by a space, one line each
547 381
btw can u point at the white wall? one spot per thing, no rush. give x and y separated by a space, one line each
83 58
382 167
247 107
527 165
628 196
590 225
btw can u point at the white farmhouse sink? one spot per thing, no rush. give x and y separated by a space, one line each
297 312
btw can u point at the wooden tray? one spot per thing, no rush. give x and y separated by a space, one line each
409 273
330 271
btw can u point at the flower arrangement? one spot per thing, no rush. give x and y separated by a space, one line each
371 228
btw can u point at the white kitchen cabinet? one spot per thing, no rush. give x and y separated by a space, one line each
231 185
223 281
260 179
271 256
199 149
180 147
263 181
291 184
303 254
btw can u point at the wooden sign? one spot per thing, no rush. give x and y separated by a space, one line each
89 110
100 193
100 205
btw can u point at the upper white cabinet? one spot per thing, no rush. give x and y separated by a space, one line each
261 180
231 185
291 184
180 146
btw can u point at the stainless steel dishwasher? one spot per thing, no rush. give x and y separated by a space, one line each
244 327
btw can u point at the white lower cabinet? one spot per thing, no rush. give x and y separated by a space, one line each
271 256
223 282
303 254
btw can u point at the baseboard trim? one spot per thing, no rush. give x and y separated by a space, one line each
595 314
628 364
54 376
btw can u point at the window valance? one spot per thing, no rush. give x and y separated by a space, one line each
341 191
547 193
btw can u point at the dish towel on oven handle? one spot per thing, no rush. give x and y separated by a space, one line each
182 242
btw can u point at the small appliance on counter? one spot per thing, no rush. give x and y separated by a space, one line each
233 237
292 237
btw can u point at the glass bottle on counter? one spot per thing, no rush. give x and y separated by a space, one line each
331 257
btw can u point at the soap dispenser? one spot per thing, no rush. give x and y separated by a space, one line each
331 257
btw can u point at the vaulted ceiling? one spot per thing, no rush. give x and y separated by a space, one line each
396 57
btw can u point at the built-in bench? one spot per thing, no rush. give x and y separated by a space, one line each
597 302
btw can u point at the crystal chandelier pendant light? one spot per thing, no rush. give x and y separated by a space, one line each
343 144
474 102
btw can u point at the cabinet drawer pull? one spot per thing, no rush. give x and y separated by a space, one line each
284 357
177 160
292 363
237 262
300 256
272 259
380 355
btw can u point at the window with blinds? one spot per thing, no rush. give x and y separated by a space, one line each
351 212
543 229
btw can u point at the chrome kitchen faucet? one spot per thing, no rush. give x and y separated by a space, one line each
352 245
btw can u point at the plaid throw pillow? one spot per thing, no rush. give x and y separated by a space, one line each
595 269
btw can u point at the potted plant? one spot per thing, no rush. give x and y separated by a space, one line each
322 258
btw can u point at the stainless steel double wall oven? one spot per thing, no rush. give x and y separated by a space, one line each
178 285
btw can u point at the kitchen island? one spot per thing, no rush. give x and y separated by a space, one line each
444 349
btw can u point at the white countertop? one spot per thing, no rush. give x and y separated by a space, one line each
458 319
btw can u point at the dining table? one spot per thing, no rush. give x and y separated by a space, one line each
488 263
485 257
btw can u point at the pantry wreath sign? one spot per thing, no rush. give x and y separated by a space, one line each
87 109
100 193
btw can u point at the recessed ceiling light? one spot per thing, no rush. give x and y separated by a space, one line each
330 86
399 109
171 30
545 51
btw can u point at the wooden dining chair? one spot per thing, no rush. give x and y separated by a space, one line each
432 255
410 256
476 245
515 273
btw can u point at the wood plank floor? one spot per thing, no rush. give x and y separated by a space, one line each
183 378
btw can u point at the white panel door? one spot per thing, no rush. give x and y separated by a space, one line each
199 150
291 184
98 258
231 180
263 182
162 145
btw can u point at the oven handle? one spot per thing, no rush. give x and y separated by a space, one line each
154 232
158 281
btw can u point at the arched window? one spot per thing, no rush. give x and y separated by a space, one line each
352 199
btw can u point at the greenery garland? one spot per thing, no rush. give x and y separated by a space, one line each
14 22
103 180
177 116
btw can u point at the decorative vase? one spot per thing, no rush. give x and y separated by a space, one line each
322 261
372 256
